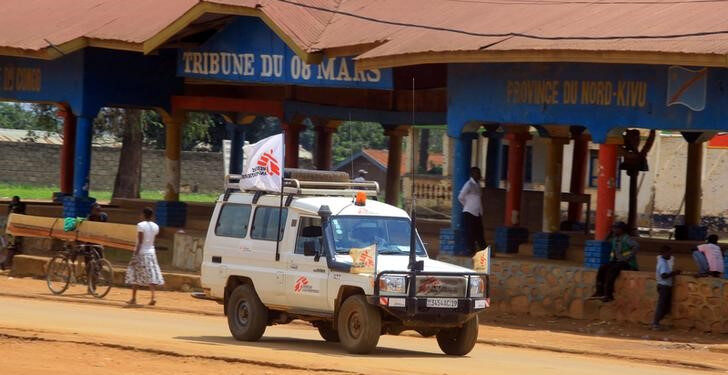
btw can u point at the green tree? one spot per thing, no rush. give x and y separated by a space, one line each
352 137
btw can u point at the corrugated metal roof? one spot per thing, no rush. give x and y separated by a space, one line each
401 32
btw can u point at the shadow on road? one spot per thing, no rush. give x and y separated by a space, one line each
304 345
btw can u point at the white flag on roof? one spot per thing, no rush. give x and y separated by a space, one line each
263 165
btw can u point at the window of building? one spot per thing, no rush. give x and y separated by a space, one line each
594 169
309 230
233 220
265 223
528 167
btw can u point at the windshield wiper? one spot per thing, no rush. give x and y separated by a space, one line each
390 252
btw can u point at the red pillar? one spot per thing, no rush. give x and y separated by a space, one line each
606 190
324 147
67 150
514 188
291 135
579 162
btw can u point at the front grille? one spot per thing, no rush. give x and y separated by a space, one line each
441 286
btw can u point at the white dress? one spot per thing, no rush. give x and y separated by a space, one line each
143 268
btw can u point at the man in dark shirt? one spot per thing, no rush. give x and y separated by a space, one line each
15 244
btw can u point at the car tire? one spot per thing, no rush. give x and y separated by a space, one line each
359 325
328 333
246 314
460 340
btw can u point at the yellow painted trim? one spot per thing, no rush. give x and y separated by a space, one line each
609 57
352 50
115 45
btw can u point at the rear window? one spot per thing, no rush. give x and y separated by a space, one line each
233 220
265 223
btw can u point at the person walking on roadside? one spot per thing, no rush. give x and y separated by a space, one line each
709 258
470 198
143 268
623 257
665 275
15 244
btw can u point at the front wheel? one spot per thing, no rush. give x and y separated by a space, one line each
59 274
359 325
460 340
100 277
246 314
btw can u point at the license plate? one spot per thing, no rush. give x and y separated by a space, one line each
442 303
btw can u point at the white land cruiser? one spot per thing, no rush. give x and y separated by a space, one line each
307 275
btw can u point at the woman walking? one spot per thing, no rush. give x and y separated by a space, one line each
143 268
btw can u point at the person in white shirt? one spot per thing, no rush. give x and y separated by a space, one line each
470 198
709 258
143 268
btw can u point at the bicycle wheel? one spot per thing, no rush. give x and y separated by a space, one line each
100 277
4 244
59 274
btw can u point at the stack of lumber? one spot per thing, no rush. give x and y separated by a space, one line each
120 236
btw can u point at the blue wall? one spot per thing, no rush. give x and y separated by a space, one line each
600 97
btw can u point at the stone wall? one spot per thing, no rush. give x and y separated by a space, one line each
38 164
555 289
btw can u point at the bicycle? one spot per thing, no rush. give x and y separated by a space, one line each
64 268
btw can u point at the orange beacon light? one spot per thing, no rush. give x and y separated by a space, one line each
361 199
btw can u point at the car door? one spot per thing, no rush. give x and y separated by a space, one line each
306 278
268 274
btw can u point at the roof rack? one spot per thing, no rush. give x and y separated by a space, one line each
311 188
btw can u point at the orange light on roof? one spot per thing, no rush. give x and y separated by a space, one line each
361 199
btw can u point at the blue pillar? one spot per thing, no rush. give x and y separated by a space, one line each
460 175
79 204
493 161
237 140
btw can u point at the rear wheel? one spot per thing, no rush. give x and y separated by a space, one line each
246 314
359 325
100 277
328 332
58 276
459 340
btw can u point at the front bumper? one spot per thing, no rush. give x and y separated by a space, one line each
414 311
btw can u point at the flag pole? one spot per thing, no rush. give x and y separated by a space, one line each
280 207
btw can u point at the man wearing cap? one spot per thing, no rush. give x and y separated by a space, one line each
361 176
623 257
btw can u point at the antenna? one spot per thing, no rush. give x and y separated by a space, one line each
414 265
351 145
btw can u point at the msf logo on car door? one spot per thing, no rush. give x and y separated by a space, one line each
303 285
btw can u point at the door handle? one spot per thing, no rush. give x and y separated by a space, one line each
294 266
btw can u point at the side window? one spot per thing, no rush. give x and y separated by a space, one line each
265 223
308 230
233 220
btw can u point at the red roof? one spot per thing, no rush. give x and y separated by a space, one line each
392 33
381 157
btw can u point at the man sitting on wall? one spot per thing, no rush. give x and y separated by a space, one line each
623 257
709 258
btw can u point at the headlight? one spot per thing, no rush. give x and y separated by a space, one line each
477 287
392 285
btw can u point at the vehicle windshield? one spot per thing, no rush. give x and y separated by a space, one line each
390 234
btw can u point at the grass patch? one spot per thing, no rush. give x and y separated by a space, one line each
46 193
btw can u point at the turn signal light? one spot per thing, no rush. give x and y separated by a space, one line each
361 199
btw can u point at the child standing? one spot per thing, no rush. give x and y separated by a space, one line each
665 276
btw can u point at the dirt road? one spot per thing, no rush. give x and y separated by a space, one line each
204 341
